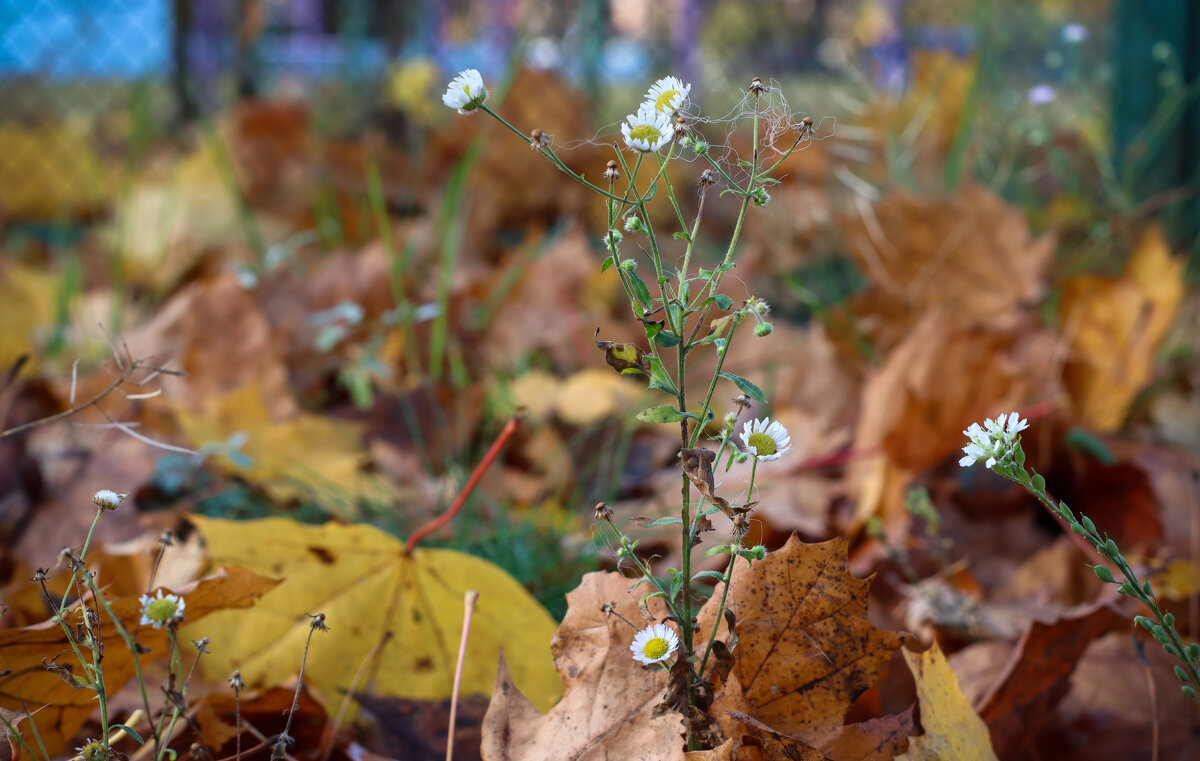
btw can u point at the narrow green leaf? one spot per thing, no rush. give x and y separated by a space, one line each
129 731
716 575
610 261
683 236
663 413
662 522
659 378
640 291
666 339
747 388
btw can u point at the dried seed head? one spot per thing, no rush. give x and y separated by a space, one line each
603 512
757 87
318 621
39 576
612 171
807 124
201 645
236 682
107 499
167 538
538 140
707 177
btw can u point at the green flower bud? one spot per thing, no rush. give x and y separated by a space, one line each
1103 574
763 329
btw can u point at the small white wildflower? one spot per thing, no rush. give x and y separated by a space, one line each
668 95
992 441
106 499
648 130
94 750
466 91
654 644
163 610
766 440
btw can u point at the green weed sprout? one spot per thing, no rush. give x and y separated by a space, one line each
998 444
673 311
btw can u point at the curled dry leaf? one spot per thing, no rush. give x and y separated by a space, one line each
953 731
623 357
806 650
607 710
60 710
697 466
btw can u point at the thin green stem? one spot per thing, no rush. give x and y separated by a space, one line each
13 732
733 556
554 159
712 385
133 649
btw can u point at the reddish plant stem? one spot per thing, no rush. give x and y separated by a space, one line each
509 429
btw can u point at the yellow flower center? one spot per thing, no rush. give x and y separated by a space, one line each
161 610
94 751
665 100
656 648
762 444
646 132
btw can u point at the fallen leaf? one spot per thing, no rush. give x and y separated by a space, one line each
806 650
879 739
969 256
50 171
289 458
1038 675
366 586
61 710
608 707
415 730
1115 326
953 731
265 711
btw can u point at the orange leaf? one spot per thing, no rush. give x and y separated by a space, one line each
806 650
59 710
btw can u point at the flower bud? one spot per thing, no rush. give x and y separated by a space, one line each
763 329
633 224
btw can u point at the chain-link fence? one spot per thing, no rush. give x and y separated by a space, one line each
94 92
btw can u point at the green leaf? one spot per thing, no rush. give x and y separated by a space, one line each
610 261
662 522
705 274
683 236
748 388
659 378
720 549
653 328
663 413
717 575
640 291
723 302
666 339
129 731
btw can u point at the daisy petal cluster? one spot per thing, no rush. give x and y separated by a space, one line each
163 610
654 644
992 441
668 95
765 439
466 91
649 129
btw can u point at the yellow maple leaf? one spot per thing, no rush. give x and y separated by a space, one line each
368 587
953 731
289 458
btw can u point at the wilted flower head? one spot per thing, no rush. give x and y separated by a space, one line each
94 750
649 129
466 91
106 499
163 610
668 95
992 441
766 440
654 644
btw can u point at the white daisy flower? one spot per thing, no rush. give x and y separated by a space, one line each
766 440
648 130
466 91
992 441
654 644
669 95
163 610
